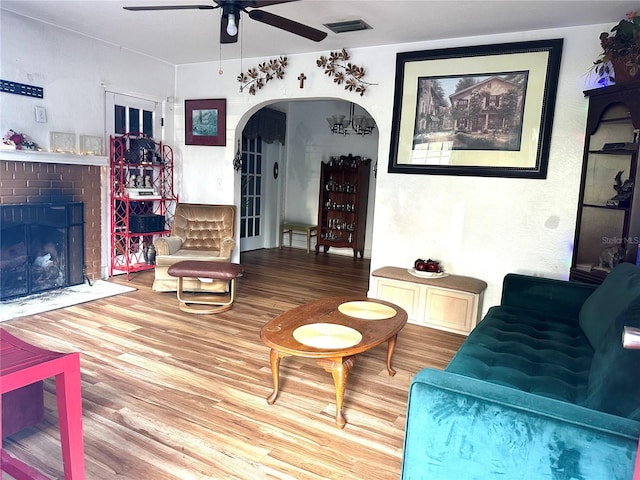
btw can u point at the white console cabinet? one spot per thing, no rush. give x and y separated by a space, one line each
452 303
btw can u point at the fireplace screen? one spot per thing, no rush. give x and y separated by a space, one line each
41 247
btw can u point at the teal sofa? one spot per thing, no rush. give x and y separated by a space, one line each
541 388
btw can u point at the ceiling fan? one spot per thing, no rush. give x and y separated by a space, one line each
231 17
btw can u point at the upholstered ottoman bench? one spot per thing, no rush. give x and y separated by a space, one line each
205 270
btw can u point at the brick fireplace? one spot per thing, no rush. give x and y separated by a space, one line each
57 183
41 247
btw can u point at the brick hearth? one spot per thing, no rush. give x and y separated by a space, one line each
34 182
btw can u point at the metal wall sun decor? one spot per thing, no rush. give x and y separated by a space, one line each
479 111
256 78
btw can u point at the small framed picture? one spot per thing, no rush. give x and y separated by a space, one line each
205 122
90 145
62 142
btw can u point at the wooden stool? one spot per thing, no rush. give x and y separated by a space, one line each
205 270
308 230
23 364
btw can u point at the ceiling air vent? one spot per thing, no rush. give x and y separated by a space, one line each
348 26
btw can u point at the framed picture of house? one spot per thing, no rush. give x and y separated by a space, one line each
205 122
482 111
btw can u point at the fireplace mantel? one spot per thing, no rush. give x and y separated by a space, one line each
50 157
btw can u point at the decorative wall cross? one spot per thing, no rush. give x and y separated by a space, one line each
302 77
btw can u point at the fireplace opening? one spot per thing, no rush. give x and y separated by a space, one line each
41 247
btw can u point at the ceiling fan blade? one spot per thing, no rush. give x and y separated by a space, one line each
288 25
263 3
170 7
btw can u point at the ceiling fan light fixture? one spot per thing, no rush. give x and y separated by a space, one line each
230 18
232 27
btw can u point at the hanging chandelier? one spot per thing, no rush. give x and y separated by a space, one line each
356 124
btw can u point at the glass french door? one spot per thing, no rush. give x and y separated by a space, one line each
128 114
251 226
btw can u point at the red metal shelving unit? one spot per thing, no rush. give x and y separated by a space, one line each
142 200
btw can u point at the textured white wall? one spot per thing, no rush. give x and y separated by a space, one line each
74 71
481 227
308 138
487 227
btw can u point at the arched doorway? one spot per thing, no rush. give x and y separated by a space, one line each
293 195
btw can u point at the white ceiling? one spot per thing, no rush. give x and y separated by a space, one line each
190 36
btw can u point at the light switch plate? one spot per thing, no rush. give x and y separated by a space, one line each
41 115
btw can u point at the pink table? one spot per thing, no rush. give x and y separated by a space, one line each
23 364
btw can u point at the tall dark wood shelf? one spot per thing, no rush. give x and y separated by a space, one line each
613 121
342 208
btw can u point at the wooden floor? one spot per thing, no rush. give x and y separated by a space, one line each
170 395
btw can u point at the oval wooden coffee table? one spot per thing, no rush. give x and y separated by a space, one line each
333 331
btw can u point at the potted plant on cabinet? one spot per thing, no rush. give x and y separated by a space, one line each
619 61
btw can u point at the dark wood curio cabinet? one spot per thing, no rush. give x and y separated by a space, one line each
608 219
342 209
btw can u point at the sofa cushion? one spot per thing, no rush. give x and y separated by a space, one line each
614 386
527 350
462 428
619 289
183 254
